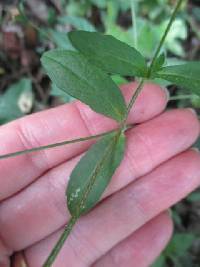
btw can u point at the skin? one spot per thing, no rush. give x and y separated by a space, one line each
158 170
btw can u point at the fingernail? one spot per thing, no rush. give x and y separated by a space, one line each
193 111
166 93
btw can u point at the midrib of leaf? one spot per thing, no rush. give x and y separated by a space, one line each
94 174
85 80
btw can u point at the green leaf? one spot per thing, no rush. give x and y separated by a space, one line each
179 245
99 3
75 75
93 173
61 40
185 75
109 53
194 197
176 36
147 31
77 22
160 262
16 101
125 36
159 62
55 91
119 80
195 101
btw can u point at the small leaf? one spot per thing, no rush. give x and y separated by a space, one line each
185 75
109 53
75 75
159 62
93 173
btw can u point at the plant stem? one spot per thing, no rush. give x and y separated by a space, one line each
181 97
132 101
60 242
67 142
74 218
141 84
172 18
134 22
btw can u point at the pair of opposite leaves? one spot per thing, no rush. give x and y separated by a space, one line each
83 74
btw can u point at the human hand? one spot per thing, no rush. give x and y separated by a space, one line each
130 226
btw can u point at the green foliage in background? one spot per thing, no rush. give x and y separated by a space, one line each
16 101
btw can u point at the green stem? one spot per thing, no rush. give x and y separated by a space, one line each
134 22
73 219
67 142
60 242
132 101
181 97
141 84
172 18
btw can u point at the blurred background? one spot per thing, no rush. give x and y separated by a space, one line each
30 27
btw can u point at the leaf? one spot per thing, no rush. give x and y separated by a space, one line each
196 13
194 197
93 173
179 244
159 62
16 101
185 75
176 34
195 101
99 3
61 40
55 91
119 80
77 22
108 53
75 75
147 31
160 262
125 36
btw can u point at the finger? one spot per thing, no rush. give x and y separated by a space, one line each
58 124
136 248
29 214
119 216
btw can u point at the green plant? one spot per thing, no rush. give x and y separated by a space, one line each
84 74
